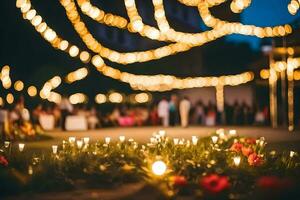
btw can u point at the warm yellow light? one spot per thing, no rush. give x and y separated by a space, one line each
237 161
19 85
63 45
142 98
159 168
77 98
214 139
115 97
32 91
21 147
100 98
49 34
77 75
55 82
297 75
21 3
84 56
54 97
37 20
97 61
264 73
293 7
73 51
10 98
1 101
30 14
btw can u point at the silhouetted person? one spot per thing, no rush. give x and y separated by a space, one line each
184 110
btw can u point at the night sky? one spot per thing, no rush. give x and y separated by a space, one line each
33 60
264 13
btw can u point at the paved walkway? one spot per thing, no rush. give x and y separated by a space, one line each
142 134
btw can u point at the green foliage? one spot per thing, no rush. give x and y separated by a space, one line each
111 164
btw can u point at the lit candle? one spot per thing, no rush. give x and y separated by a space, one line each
86 140
6 144
292 154
122 138
130 140
181 142
162 133
222 136
30 170
237 160
72 140
21 147
176 141
194 140
232 132
214 139
54 149
107 140
79 144
153 140
220 131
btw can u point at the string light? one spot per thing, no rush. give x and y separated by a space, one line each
100 98
160 82
293 7
115 97
237 6
19 85
196 2
5 77
10 98
142 97
240 28
77 75
32 91
115 56
77 98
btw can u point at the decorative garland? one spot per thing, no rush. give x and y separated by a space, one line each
217 167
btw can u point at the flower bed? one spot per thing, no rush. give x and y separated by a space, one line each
223 166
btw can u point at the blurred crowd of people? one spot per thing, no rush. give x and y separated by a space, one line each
174 111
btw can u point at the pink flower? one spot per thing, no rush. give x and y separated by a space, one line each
237 147
179 180
3 161
247 151
214 183
255 160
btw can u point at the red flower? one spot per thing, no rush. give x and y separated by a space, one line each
214 183
273 182
179 180
251 141
247 151
255 160
237 147
3 161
